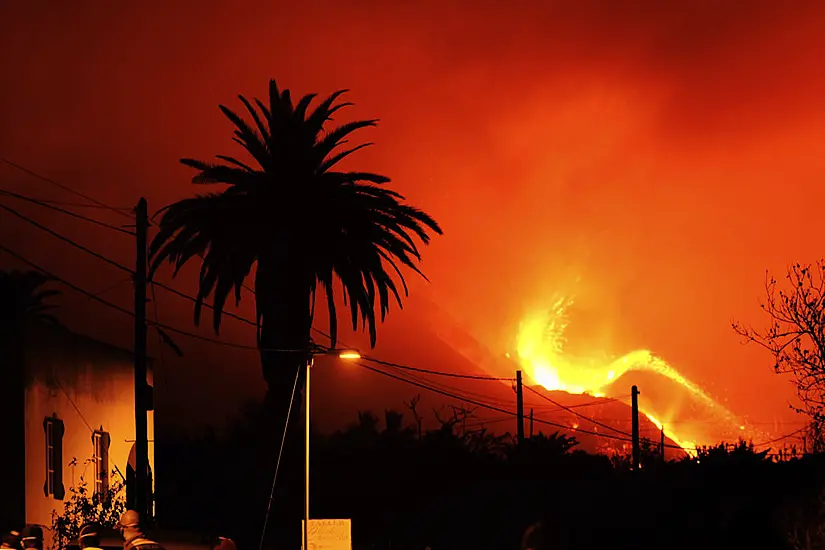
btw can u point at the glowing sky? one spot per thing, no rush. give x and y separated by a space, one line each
663 156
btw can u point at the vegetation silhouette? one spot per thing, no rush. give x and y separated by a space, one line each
453 487
23 301
301 224
795 336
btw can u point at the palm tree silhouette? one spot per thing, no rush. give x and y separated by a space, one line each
23 301
297 222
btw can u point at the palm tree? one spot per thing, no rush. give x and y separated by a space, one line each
22 302
299 224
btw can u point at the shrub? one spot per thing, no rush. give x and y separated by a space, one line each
85 505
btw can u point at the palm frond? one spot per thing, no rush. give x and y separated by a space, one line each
338 157
311 226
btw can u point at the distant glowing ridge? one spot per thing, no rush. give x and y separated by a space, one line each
540 348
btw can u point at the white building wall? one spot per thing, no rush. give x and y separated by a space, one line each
89 386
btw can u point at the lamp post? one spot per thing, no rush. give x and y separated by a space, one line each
347 355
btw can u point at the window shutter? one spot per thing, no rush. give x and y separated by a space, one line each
106 440
58 430
46 422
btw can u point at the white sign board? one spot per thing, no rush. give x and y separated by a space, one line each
329 534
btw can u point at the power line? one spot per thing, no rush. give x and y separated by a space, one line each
437 373
46 204
82 417
787 436
63 187
119 308
491 407
113 263
241 346
123 212
599 401
453 389
105 290
209 306
576 413
66 239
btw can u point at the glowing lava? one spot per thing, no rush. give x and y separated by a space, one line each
540 347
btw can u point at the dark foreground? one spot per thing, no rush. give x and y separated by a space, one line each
449 489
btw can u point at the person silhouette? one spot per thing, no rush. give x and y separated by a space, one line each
33 537
89 538
133 534
11 541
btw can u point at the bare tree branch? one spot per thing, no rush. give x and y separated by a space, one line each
795 337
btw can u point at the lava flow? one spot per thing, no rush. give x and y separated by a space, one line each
541 353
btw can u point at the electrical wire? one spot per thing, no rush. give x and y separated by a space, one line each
491 407
119 308
453 389
209 306
278 462
47 204
82 416
599 401
63 187
576 413
435 372
105 290
787 436
113 262
123 212
66 239
241 346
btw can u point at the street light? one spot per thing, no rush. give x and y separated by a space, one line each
346 355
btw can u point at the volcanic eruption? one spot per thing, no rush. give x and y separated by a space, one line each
672 400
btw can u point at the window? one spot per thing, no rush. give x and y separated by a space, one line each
54 430
101 441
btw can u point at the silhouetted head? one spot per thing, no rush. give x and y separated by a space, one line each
33 537
11 540
89 536
129 525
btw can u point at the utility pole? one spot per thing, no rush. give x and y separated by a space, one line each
634 395
662 442
531 423
142 489
519 408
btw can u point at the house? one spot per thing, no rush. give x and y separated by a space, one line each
79 423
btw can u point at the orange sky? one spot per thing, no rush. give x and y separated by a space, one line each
665 156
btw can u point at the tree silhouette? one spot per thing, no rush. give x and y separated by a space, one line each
302 225
23 300
796 338
299 223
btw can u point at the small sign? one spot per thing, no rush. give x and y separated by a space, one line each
329 534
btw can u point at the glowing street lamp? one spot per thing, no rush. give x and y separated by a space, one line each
346 355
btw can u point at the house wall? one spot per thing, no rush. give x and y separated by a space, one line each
88 385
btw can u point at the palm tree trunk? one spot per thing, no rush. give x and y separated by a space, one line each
283 299
13 411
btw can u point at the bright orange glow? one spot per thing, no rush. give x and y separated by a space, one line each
541 353
349 355
625 146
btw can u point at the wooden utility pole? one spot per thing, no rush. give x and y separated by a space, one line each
519 408
634 396
662 442
531 423
142 489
